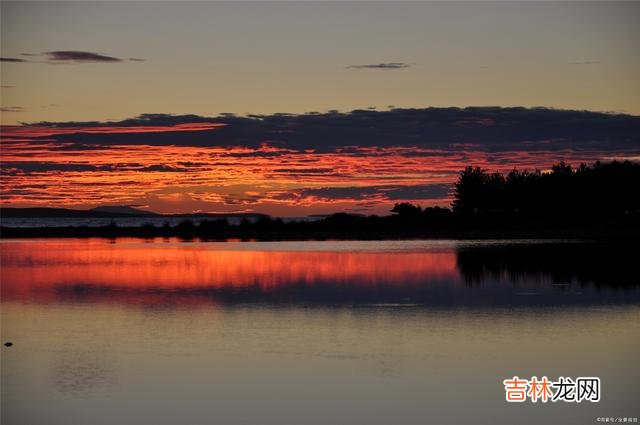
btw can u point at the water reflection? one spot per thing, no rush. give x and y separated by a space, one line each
82 373
310 333
563 264
443 273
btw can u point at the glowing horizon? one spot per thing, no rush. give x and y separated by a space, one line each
277 165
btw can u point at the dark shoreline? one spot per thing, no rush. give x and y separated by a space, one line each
346 227
597 202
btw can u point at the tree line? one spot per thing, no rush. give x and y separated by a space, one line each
599 201
598 189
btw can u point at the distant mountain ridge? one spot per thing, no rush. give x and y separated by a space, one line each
70 213
107 211
121 209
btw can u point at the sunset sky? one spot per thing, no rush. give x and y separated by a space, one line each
131 103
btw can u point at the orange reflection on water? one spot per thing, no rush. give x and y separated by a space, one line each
41 270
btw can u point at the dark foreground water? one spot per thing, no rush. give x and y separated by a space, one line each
383 332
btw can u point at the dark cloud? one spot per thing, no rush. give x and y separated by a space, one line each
164 168
193 164
140 120
76 147
79 56
73 56
584 63
252 154
388 192
383 66
420 191
303 170
28 167
367 132
7 86
11 109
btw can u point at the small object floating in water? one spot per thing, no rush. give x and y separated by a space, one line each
8 344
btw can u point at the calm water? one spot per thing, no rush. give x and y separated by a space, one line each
394 332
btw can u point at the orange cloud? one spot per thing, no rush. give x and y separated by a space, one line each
41 169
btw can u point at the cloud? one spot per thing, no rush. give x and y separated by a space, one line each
9 167
7 86
78 56
28 167
302 171
72 56
420 191
383 66
366 132
296 164
584 63
377 192
164 168
12 109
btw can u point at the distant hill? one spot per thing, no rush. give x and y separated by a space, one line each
65 212
122 209
111 211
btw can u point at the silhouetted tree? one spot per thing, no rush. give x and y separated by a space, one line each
406 209
599 189
468 190
436 212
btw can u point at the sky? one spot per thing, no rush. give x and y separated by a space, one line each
75 75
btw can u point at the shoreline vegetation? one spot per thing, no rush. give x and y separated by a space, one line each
599 201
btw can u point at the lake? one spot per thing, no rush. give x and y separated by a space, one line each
163 331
